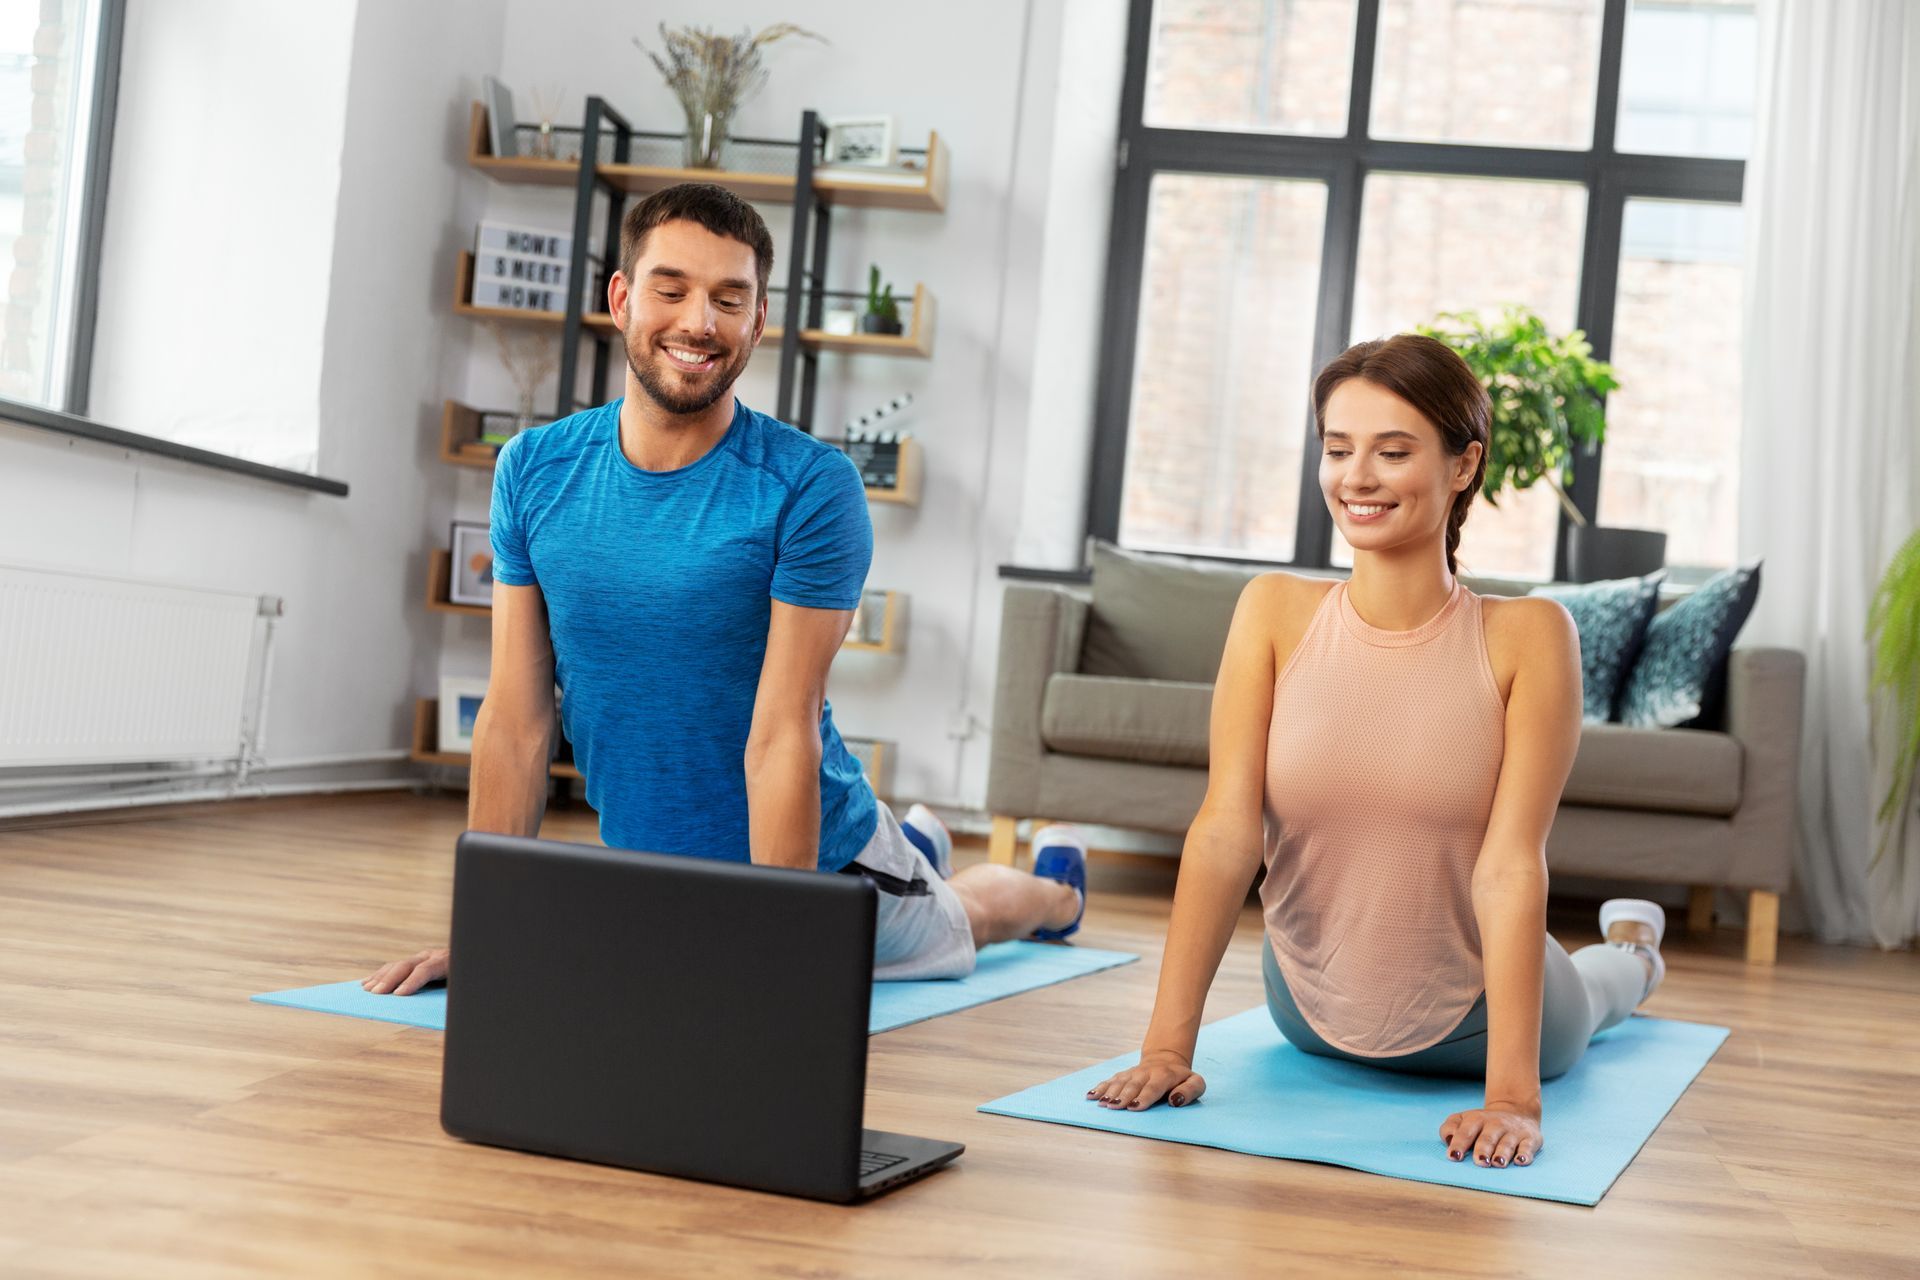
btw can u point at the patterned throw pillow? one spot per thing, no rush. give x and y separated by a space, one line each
1680 680
1612 619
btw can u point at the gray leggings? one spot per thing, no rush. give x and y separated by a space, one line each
1583 994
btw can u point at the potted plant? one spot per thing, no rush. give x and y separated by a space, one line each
1547 393
883 312
1893 634
712 76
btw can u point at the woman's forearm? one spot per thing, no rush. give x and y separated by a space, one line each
1511 909
1216 867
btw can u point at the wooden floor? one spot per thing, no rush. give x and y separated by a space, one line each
153 1122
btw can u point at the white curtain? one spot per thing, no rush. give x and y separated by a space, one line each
1830 478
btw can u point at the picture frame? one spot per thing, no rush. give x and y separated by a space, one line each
860 141
460 699
470 575
501 125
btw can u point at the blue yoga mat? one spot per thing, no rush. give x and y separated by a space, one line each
1005 969
1266 1098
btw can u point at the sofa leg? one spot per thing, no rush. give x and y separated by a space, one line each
1005 839
1700 909
1763 926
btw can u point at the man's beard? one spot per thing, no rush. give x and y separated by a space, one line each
659 378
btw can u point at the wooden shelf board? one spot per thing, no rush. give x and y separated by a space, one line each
916 343
426 739
893 631
459 424
524 170
927 196
439 574
906 489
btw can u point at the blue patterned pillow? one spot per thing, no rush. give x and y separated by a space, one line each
1680 680
1612 619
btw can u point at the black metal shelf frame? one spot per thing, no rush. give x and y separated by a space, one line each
804 295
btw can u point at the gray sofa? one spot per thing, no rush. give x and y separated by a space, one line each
1101 714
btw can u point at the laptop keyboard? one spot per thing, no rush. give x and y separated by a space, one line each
872 1162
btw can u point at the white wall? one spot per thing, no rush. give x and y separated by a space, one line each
331 305
328 302
987 77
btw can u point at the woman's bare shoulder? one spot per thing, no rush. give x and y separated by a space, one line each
1286 603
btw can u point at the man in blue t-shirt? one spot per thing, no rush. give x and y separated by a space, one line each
686 569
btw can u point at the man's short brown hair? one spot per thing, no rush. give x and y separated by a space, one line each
713 207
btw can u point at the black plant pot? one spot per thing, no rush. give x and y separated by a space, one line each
870 323
1596 554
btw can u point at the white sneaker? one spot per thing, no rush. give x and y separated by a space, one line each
1651 914
930 836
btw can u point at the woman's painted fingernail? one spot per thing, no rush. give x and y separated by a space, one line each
1176 1099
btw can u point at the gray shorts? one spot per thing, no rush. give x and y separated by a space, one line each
922 930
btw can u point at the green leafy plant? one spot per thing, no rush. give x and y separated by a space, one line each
1547 393
880 300
1893 634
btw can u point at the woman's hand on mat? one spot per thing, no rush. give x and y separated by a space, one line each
1161 1074
1498 1134
404 977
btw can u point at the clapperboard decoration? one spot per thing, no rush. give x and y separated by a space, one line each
521 268
877 453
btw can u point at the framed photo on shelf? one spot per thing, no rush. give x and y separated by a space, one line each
460 698
500 121
471 579
865 141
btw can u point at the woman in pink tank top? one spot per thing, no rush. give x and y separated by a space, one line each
1392 749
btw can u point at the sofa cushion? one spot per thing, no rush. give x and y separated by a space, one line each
1680 678
1150 721
1612 619
1158 617
1671 770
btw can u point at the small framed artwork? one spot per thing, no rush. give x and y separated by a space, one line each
500 121
460 698
860 140
471 581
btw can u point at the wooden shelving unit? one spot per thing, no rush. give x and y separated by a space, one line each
426 743
906 488
876 759
526 170
927 195
439 574
915 343
460 443
893 629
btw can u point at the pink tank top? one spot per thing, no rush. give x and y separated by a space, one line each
1382 759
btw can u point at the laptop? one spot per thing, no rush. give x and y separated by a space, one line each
676 1015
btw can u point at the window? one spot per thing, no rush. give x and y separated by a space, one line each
49 56
1299 174
1227 332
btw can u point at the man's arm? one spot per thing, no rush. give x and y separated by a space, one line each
512 737
783 746
513 734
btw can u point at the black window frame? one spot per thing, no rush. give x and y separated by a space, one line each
70 417
1344 162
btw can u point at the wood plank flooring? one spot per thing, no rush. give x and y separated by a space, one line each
154 1122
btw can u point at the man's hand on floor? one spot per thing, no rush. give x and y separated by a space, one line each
404 977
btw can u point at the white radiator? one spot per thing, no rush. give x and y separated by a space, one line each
98 670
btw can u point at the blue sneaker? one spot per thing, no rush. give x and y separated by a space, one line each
1060 853
930 836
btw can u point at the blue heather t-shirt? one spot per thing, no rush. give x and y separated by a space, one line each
658 587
